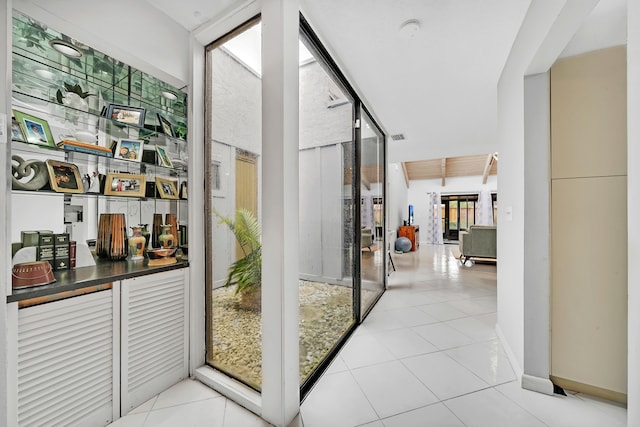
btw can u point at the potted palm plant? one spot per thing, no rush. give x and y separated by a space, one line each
246 272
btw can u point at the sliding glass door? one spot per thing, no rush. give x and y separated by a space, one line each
327 227
459 213
372 249
341 231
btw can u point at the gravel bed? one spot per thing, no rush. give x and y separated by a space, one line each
325 315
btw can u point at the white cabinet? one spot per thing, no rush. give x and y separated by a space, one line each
89 359
154 335
65 362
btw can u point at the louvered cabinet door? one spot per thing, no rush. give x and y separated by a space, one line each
154 342
65 361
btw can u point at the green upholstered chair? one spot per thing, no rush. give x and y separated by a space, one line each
478 242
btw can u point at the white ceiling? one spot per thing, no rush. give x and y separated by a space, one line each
438 86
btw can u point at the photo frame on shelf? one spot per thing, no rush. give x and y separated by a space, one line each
126 114
64 177
183 190
17 133
163 157
167 188
36 130
166 125
125 185
129 149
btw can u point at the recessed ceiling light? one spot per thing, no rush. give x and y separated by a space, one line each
65 48
169 95
45 74
410 28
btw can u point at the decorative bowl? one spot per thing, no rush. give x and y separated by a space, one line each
161 253
36 273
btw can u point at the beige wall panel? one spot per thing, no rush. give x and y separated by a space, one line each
589 281
588 114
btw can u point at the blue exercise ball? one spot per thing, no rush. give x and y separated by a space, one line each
403 244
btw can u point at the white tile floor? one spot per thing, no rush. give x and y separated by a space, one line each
427 355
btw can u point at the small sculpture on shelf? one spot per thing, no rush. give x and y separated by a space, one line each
28 175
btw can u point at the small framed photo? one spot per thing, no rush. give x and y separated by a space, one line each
125 184
17 134
166 188
126 114
166 125
35 129
129 149
183 190
64 177
163 158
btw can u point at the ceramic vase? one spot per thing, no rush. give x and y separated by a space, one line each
112 237
166 239
146 235
136 244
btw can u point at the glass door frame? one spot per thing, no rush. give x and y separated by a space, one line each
323 55
459 198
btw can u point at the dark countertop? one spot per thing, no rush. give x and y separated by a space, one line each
102 272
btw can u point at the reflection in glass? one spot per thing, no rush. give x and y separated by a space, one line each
326 211
372 258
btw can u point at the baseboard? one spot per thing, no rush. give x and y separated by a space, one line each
541 385
579 387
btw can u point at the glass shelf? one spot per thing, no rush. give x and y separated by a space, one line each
36 62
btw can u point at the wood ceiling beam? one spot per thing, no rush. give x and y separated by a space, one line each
443 170
487 168
405 172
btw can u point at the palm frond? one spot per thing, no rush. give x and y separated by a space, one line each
246 272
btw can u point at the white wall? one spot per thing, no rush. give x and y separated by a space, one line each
321 212
397 197
418 189
510 236
236 110
536 238
547 28
633 206
319 124
6 405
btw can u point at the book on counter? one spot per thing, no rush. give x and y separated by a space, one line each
61 251
85 147
46 253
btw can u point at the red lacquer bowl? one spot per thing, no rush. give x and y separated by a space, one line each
34 273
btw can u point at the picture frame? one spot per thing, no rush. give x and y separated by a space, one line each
17 133
125 185
167 188
183 190
166 126
126 114
129 149
36 130
163 157
64 177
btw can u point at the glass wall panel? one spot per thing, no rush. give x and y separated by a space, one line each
372 253
233 163
326 210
